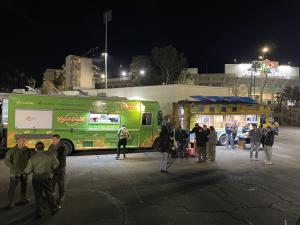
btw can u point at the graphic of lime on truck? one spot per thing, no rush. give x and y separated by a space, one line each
84 123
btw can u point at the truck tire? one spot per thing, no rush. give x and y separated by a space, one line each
68 145
222 140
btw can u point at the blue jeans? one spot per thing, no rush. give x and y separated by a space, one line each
229 141
254 147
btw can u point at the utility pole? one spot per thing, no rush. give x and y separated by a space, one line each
106 18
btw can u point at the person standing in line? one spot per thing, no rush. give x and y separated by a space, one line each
213 139
263 133
207 132
201 139
164 146
59 150
123 134
234 134
228 132
42 166
268 144
255 136
182 141
16 159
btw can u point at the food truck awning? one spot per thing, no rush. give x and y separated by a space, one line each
220 99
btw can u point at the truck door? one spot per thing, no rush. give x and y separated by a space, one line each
146 131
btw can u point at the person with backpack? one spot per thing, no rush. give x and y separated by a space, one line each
268 144
123 134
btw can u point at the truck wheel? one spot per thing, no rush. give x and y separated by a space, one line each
68 145
155 144
222 140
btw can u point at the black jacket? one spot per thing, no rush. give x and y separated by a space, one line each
61 153
164 141
269 138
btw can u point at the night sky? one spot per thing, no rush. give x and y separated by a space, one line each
36 35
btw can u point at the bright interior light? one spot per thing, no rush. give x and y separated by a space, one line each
142 72
123 73
260 57
102 75
265 49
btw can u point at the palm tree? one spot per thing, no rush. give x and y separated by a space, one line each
22 75
31 82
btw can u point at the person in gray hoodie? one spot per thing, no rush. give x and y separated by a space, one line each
255 135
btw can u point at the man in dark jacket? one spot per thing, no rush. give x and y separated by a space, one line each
268 144
164 146
182 139
60 152
201 140
16 159
42 166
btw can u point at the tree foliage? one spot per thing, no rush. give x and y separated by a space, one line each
291 94
164 65
186 78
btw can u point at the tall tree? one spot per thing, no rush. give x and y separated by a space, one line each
169 62
141 71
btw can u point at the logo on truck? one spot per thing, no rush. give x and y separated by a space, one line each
71 119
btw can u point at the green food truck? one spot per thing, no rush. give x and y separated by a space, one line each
84 123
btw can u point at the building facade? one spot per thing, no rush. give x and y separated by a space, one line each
246 80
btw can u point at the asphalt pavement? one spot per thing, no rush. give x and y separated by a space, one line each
233 190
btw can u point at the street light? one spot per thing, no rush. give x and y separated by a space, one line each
142 72
105 58
265 49
124 73
260 57
102 76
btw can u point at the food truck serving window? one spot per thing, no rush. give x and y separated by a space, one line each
147 119
104 118
4 111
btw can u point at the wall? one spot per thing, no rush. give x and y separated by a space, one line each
86 73
164 94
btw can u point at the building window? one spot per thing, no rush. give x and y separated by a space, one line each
201 108
223 108
234 109
212 109
147 119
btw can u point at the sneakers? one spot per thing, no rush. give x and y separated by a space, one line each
252 159
164 171
117 157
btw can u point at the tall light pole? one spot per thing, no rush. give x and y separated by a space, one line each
106 18
263 74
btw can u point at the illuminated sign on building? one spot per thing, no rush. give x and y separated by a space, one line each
272 69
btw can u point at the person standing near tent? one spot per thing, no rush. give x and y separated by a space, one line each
255 136
123 134
201 140
228 132
212 142
268 144
164 146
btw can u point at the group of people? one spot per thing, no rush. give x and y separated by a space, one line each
264 136
205 141
47 169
